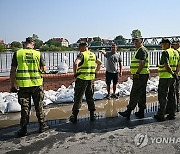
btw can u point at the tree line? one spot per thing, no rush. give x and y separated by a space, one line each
53 45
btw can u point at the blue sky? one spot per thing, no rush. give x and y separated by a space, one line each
73 19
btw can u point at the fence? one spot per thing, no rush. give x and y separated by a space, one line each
55 59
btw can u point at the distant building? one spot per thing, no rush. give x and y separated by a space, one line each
74 45
8 45
86 39
63 41
1 41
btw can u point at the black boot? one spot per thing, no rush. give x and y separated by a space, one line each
126 113
159 118
22 131
73 118
43 127
92 116
140 113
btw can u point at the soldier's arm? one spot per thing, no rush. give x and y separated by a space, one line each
12 76
168 68
14 65
42 64
99 63
141 66
120 68
142 55
166 64
75 66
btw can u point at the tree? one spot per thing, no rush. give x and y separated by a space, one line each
97 39
136 33
16 44
2 48
120 40
53 42
38 42
35 37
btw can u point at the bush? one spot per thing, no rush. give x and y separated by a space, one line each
2 48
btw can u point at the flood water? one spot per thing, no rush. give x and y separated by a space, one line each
104 108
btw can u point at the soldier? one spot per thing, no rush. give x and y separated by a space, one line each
167 76
113 59
26 69
84 71
140 70
176 46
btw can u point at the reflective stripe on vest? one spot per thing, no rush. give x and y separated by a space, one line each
179 57
28 70
135 64
87 70
173 62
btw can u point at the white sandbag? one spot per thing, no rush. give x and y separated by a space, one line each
10 97
13 106
3 107
63 68
65 95
3 94
47 102
63 99
98 95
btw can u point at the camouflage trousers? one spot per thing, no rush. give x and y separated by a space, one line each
177 91
24 99
166 97
138 92
81 87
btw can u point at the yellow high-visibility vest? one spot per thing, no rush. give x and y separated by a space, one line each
173 62
135 63
87 70
28 70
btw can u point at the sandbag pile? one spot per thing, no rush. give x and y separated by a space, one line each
9 101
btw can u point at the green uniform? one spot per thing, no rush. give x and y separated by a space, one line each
166 87
29 79
84 82
177 84
138 91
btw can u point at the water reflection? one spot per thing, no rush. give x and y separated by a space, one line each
104 108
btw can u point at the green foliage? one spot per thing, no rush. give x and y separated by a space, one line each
54 48
136 33
53 42
120 40
14 49
44 48
16 44
2 48
97 39
35 37
96 43
38 44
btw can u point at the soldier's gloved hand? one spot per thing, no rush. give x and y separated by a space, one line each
13 90
136 76
175 76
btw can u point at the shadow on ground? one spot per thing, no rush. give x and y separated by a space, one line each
83 125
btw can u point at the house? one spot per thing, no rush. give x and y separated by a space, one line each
86 39
1 41
63 41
